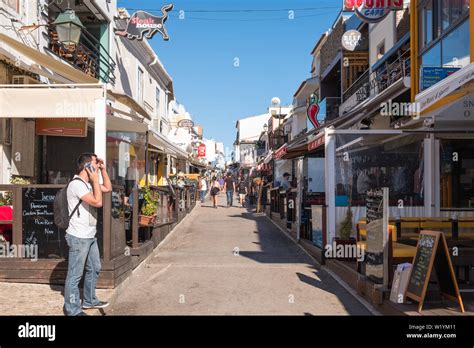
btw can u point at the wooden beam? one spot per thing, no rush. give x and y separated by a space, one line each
17 237
106 233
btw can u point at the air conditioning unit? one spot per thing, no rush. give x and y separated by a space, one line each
24 80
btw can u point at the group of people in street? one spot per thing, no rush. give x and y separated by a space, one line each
227 184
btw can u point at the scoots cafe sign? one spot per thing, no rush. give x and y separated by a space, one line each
372 11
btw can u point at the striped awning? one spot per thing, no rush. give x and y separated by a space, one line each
262 167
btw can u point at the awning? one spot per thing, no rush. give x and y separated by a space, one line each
269 157
296 149
118 124
50 101
280 152
316 143
161 142
433 97
62 68
130 102
263 167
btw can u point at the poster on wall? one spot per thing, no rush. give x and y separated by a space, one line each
317 225
376 255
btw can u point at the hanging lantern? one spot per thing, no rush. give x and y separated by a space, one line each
68 27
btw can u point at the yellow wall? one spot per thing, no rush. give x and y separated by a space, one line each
471 19
414 48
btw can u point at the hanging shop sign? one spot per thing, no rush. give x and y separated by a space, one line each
62 127
202 150
141 23
351 39
372 11
313 110
432 75
185 123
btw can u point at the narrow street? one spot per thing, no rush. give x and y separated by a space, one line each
231 261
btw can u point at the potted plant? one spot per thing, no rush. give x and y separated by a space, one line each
148 212
345 238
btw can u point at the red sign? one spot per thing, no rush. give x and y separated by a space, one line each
62 127
280 152
372 11
141 23
202 150
316 143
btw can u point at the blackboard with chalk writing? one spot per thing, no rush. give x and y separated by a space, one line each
38 222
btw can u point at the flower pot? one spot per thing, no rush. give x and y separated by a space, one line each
145 220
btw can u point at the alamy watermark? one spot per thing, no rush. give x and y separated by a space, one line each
344 251
392 108
25 251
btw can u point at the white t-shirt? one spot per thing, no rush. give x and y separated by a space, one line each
203 185
84 225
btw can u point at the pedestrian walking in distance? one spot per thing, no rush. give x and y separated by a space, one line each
243 191
202 188
229 188
84 196
215 189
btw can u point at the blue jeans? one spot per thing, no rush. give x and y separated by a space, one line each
203 195
83 252
230 196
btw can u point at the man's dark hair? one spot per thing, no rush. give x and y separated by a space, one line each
83 159
286 175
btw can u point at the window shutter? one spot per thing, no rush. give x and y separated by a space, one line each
23 148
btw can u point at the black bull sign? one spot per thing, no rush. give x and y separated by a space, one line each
142 22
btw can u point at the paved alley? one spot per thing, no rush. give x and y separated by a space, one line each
231 261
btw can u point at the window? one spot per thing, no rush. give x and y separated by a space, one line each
455 50
457 177
13 4
140 85
157 101
381 49
433 56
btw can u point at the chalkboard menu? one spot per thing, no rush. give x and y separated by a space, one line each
422 264
376 257
432 252
38 222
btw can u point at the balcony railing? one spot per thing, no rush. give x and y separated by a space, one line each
88 55
380 79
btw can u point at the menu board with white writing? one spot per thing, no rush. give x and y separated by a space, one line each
377 221
38 222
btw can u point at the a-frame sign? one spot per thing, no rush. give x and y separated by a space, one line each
432 253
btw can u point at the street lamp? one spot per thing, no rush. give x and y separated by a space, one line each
68 27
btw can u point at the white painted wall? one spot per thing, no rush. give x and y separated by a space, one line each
250 128
384 30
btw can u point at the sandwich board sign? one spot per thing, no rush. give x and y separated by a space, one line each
432 254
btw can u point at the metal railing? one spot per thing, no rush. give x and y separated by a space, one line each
379 80
89 55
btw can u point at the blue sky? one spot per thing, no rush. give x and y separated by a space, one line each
273 53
